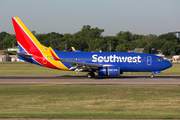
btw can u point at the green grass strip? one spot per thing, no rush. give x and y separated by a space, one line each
105 102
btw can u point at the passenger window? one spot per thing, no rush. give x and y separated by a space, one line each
142 59
134 60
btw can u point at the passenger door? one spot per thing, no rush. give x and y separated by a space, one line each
149 60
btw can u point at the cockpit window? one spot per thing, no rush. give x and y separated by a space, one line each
160 59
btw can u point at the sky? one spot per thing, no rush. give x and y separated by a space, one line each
68 16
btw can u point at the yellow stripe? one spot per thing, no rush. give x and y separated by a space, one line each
53 52
55 62
28 32
45 50
49 57
50 84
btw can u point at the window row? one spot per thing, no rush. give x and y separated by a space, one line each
90 59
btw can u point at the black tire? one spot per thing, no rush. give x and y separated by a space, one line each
89 75
152 76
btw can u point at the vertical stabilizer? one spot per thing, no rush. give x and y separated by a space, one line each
28 44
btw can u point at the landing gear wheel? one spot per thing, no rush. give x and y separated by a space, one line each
89 75
152 76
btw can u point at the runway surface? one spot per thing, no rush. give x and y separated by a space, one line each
72 80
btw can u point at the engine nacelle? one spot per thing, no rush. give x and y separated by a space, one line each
109 71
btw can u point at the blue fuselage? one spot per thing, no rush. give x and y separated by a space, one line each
134 62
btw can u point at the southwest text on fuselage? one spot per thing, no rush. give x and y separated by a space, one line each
114 58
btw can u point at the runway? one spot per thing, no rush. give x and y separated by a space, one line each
76 80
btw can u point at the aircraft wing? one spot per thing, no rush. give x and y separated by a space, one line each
79 66
83 64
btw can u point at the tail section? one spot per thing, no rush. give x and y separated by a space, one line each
28 44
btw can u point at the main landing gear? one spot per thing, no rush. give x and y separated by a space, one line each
90 75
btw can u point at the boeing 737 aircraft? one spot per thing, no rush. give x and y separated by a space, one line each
103 63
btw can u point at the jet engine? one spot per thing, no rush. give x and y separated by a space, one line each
109 71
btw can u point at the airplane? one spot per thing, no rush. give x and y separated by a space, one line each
103 63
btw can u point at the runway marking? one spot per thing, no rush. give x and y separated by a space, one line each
50 84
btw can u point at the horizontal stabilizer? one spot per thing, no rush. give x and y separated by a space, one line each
21 54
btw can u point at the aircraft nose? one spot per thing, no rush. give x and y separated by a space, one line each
167 65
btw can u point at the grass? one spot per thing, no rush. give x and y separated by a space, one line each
105 102
24 68
15 68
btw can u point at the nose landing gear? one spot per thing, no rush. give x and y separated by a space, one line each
154 72
152 75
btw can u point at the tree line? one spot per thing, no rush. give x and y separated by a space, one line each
91 39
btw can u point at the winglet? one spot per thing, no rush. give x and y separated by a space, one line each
54 54
73 49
